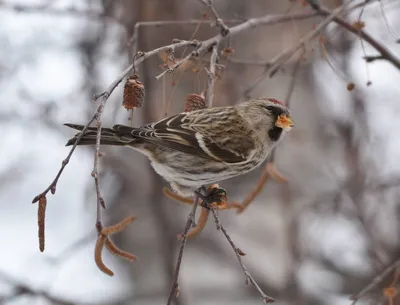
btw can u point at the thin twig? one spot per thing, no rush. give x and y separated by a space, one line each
180 75
224 30
249 62
249 278
174 285
95 172
375 281
293 79
53 185
201 223
314 4
395 36
288 97
177 64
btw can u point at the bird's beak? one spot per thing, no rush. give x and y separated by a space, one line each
284 121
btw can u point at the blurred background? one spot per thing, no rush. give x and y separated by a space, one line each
318 239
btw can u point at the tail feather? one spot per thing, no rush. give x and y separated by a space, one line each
108 136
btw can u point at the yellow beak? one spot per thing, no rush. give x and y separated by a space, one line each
284 121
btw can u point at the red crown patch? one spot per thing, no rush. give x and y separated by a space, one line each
276 101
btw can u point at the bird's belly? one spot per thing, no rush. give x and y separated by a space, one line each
191 171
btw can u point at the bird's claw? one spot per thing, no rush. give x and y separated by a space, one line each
213 196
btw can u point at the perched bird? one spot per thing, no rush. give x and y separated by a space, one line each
194 149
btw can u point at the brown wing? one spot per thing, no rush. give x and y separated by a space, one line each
216 134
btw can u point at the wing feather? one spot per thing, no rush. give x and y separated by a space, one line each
191 133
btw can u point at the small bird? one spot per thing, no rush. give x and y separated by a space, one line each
202 147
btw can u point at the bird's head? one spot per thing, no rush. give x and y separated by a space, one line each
269 116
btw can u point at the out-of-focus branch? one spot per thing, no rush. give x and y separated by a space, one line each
385 52
174 286
218 21
280 59
375 281
239 253
47 9
293 78
21 289
249 62
177 64
289 52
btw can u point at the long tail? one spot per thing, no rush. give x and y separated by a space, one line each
108 136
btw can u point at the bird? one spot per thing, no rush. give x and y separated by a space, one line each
202 147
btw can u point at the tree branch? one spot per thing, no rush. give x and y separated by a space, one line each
375 281
385 53
174 286
224 30
238 252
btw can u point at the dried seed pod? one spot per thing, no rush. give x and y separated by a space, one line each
117 251
194 102
98 250
359 25
41 221
134 92
350 86
225 53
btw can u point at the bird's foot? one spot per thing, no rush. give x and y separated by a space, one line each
213 197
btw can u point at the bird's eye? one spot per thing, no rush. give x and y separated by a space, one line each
274 110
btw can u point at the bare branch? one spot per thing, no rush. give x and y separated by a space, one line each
239 253
174 285
293 79
375 281
177 64
53 184
218 21
289 52
95 174
385 53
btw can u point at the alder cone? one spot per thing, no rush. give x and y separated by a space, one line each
350 86
194 102
134 93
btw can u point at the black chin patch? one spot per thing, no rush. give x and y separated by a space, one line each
275 133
